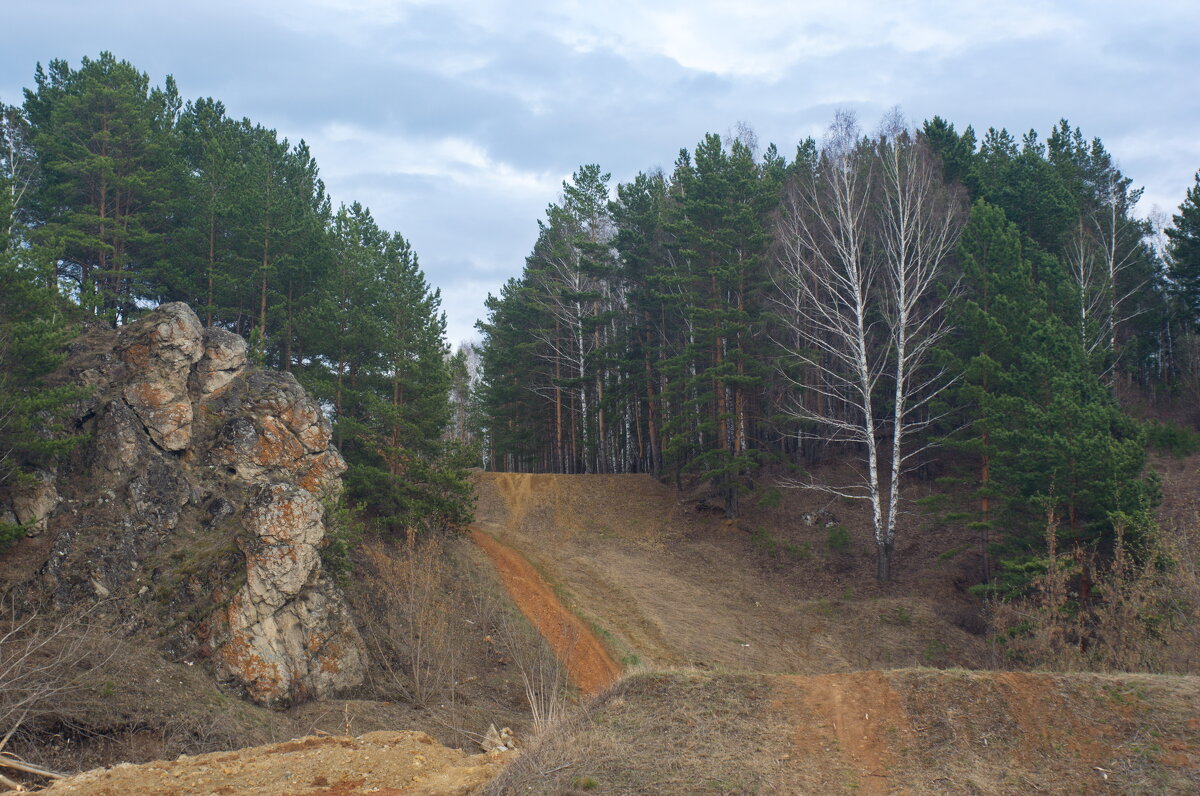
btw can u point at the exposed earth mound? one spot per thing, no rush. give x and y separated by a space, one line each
378 763
667 583
192 513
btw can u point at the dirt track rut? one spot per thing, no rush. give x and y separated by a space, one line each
588 663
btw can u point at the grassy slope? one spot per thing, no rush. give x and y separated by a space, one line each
723 604
911 730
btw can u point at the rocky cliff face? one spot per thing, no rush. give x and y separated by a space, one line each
195 510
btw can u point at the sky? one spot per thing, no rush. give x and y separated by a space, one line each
457 122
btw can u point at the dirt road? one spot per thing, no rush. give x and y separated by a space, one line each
588 663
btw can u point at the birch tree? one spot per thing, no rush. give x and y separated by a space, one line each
1103 255
18 172
863 239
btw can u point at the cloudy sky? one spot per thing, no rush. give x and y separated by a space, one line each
456 122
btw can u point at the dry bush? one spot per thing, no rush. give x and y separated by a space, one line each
45 666
75 697
412 608
444 638
543 674
44 669
1137 604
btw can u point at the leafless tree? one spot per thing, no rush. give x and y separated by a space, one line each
1104 246
862 241
18 166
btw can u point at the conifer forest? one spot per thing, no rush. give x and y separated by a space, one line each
925 302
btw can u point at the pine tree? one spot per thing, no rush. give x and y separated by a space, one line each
204 237
1184 251
35 326
106 151
1043 427
720 232
378 341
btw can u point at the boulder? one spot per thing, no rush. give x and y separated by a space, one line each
159 352
33 502
196 508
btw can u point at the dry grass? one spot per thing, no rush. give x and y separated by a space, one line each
449 653
676 587
1142 606
912 731
1064 733
657 733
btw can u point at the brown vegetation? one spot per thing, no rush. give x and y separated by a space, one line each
906 731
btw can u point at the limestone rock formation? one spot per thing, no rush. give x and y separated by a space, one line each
195 510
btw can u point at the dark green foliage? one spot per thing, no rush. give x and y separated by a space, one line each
108 157
1184 250
1021 181
35 326
652 360
118 196
1045 431
956 151
837 539
1172 438
379 336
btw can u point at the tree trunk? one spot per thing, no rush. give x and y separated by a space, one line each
212 255
883 562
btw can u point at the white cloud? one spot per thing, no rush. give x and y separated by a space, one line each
346 150
767 38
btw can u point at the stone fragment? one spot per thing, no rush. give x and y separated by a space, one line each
224 359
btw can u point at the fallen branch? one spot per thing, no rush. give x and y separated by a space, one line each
8 761
9 734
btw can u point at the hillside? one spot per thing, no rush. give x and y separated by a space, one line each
828 686
906 732
731 692
670 583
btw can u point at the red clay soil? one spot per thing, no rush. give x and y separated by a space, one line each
588 663
859 716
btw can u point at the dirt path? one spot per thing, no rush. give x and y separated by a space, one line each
588 663
854 720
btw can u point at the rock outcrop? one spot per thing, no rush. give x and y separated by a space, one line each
196 509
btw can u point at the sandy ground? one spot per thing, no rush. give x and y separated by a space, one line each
378 763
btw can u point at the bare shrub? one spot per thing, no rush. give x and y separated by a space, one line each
1116 615
412 635
44 666
543 674
44 676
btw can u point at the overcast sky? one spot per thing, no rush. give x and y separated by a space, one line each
456 122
